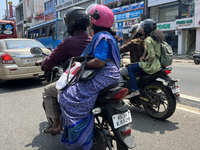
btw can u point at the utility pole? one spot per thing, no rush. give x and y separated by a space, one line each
145 14
7 9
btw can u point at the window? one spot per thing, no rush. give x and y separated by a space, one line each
37 33
34 34
29 34
43 31
17 44
6 29
187 8
164 13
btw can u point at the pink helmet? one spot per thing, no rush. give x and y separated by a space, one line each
102 16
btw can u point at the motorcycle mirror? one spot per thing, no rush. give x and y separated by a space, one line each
36 50
50 49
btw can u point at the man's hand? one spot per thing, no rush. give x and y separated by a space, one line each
38 63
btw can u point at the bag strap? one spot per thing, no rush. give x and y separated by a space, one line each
78 77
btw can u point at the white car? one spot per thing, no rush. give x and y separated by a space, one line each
16 60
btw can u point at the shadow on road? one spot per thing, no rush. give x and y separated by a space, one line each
144 123
45 141
18 85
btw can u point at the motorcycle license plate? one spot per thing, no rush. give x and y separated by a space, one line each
121 119
175 90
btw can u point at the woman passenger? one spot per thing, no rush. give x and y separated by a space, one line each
77 101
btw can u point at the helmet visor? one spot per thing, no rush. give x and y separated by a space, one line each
141 26
89 7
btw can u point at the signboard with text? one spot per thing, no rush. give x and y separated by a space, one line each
128 15
167 26
109 1
184 23
128 7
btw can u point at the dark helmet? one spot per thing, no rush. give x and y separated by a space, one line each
135 30
76 16
149 25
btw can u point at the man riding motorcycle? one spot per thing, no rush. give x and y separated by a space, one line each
136 47
77 20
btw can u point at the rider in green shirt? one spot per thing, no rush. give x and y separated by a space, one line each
149 64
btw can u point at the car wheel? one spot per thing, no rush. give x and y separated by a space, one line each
2 83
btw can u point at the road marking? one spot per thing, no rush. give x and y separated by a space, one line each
190 97
188 110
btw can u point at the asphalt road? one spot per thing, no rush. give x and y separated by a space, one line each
189 75
23 119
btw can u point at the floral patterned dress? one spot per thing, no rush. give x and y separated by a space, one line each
153 53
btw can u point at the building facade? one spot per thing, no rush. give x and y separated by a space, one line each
178 19
28 13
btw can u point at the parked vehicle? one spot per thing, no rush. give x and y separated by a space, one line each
196 58
158 93
112 118
7 29
16 61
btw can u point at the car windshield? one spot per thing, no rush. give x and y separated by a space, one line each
17 44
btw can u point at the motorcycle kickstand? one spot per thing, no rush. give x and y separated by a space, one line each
106 138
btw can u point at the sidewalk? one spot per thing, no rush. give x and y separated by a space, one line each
183 59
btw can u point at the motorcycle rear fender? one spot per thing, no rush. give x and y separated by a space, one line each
111 109
144 79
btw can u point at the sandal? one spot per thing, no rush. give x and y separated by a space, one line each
49 130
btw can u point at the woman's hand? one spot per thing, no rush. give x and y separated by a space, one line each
141 59
95 63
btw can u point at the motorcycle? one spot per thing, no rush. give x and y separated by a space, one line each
112 118
196 58
158 93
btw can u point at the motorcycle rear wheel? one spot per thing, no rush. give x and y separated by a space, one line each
99 141
164 105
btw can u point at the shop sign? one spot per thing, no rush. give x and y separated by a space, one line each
49 17
108 1
48 8
184 23
166 26
128 15
27 3
114 26
130 7
69 3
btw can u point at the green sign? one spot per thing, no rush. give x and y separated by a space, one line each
184 22
163 26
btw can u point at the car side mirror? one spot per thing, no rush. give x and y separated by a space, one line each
36 50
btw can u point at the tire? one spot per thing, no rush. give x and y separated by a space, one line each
99 141
196 62
2 83
165 100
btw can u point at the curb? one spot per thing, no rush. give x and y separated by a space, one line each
189 101
183 61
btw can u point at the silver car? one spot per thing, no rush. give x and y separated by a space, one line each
16 61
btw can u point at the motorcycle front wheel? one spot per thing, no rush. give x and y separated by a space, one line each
163 105
196 62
